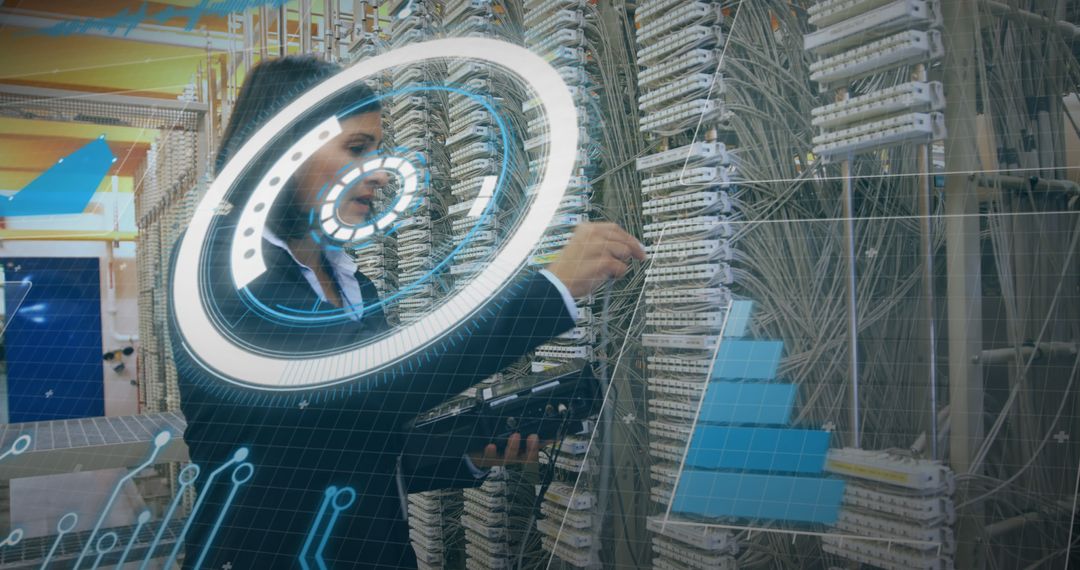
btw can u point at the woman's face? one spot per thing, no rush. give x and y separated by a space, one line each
360 135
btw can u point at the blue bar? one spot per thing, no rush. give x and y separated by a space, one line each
738 319
747 359
719 494
758 449
66 187
747 403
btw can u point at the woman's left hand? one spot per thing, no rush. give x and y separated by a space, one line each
513 454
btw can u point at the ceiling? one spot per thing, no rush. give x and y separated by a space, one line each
155 60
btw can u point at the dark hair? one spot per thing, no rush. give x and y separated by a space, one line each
270 87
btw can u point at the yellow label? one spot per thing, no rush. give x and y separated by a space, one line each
868 472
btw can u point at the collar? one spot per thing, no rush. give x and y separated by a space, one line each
340 262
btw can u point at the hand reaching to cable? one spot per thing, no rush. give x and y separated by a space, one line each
595 253
513 454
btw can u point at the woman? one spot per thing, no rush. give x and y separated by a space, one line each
301 447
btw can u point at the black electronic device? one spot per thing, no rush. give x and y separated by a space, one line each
552 403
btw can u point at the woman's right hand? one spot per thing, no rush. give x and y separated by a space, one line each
595 253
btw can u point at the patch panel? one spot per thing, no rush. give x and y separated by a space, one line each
406 135
687 39
883 20
562 38
577 203
704 273
415 249
928 538
469 134
410 236
568 220
570 464
407 104
698 226
670 430
432 534
703 537
479 117
828 12
907 47
462 105
469 188
458 72
464 8
653 8
425 542
693 61
909 127
884 554
473 253
667 451
578 558
576 184
678 365
473 168
695 13
492 548
569 536
703 175
578 94
564 352
915 474
565 55
692 558
695 203
479 25
488 502
699 153
578 520
661 494
485 516
560 19
705 320
417 265
466 224
408 75
488 532
696 110
680 341
553 241
536 10
697 251
419 116
467 268
912 96
488 561
665 473
582 334
563 494
926 510
670 408
690 87
427 517
541 141
582 161
410 276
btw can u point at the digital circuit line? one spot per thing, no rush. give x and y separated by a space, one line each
144 517
159 442
240 475
21 444
61 530
238 456
104 545
187 477
339 500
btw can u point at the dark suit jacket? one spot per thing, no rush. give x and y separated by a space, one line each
353 439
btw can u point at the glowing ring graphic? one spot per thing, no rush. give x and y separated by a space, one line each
242 367
335 228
